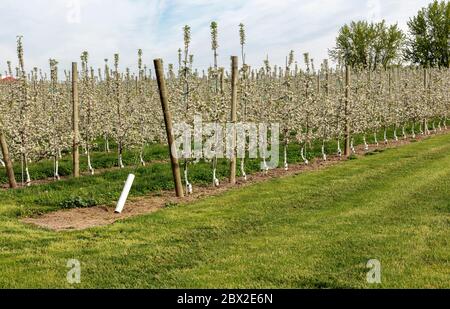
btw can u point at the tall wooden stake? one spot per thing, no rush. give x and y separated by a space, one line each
234 80
318 82
425 86
169 129
346 111
75 122
222 78
7 160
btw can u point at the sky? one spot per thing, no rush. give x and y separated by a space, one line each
63 29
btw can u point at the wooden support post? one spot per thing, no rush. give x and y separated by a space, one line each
234 81
169 129
7 160
425 89
222 79
318 82
425 79
346 112
75 122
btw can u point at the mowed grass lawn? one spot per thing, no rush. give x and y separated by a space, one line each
317 229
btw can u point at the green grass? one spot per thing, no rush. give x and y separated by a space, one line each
317 229
100 160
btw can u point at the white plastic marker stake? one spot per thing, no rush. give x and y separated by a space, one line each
124 195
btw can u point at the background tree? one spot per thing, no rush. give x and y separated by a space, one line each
368 45
429 32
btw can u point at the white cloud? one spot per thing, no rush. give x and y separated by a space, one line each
54 29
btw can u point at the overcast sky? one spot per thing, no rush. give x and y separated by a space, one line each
62 29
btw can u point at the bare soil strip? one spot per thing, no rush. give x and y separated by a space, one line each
80 219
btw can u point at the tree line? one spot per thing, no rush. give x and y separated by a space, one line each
372 45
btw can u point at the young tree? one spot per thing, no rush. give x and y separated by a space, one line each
58 117
87 108
216 95
244 89
23 106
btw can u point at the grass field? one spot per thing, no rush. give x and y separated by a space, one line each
317 229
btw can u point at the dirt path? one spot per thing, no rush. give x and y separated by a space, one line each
79 219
